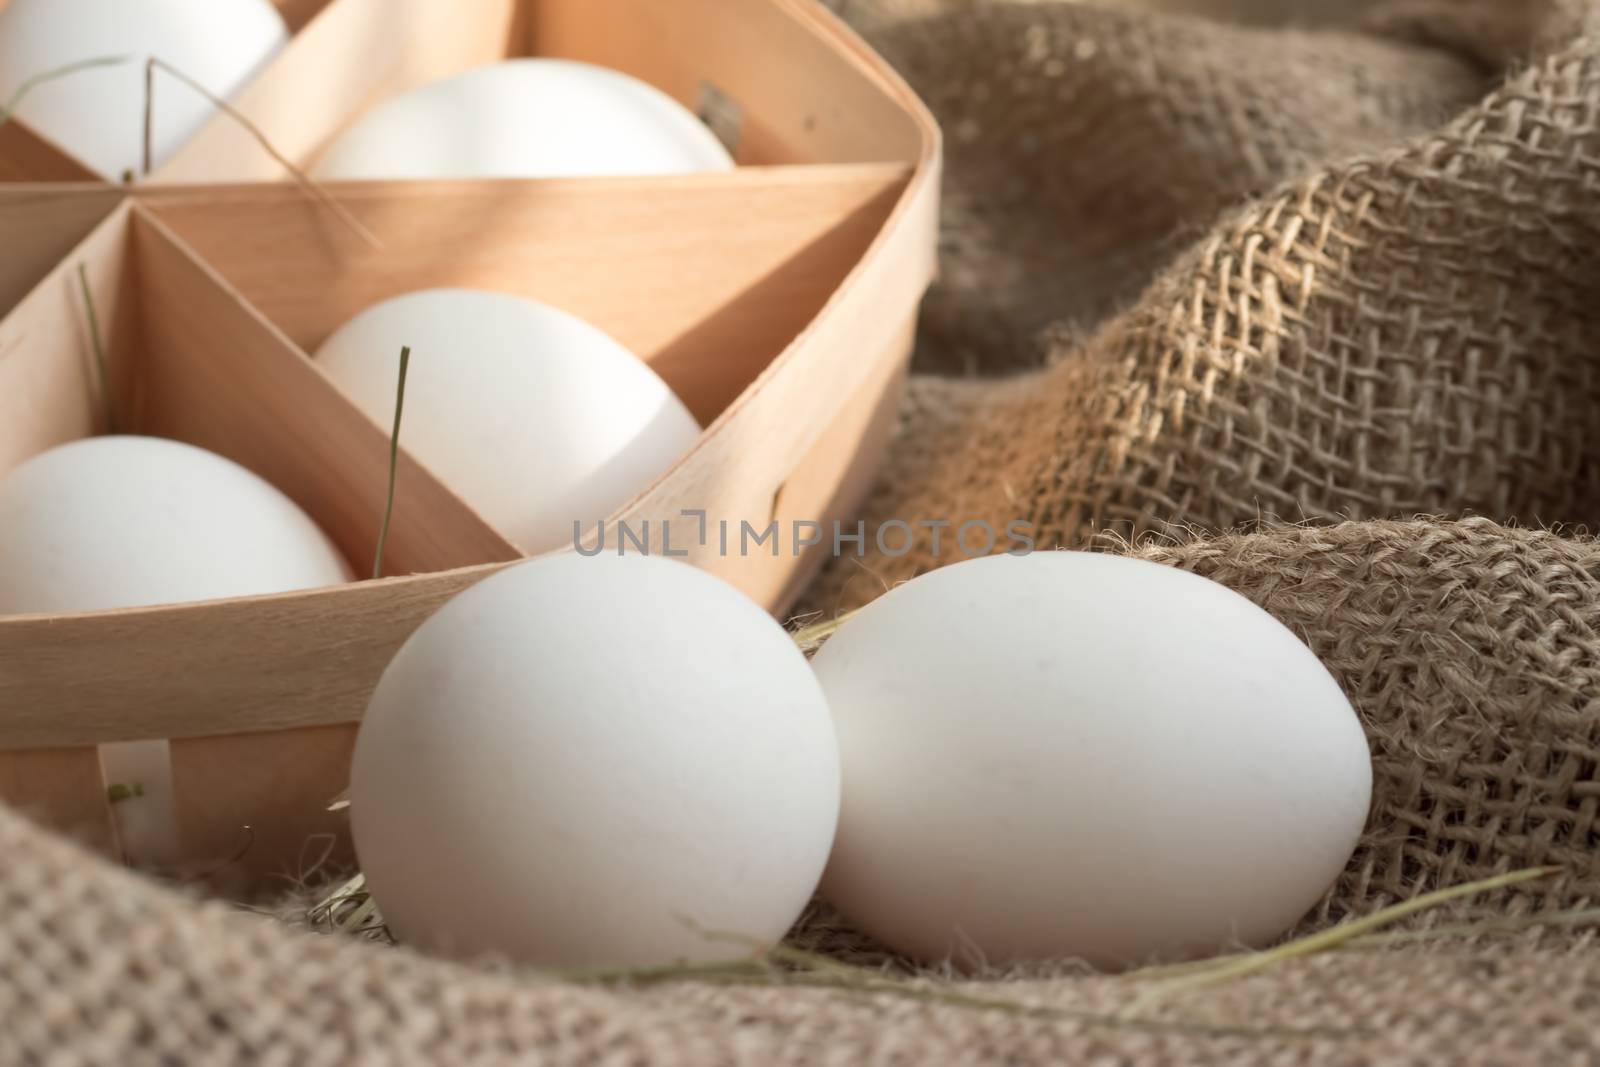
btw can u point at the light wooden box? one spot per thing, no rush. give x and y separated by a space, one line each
777 299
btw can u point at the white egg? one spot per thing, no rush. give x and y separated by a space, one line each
588 762
526 118
124 522
121 522
97 114
1079 755
535 418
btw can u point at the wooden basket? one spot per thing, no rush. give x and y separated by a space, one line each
777 299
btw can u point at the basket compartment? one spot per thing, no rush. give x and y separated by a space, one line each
28 156
707 278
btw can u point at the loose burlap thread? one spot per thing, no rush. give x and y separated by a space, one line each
1312 310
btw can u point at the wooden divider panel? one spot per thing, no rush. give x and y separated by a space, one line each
50 387
26 156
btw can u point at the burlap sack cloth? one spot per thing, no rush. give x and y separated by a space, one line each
1349 270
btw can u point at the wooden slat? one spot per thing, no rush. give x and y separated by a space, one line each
62 789
278 785
197 670
832 480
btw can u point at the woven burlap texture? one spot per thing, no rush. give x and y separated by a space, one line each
1343 274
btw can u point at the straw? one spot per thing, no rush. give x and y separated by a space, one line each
394 459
